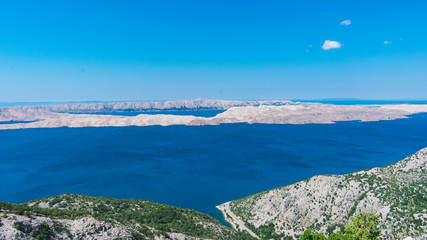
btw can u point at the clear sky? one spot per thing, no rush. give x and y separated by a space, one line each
164 50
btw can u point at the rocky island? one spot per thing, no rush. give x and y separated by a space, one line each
267 112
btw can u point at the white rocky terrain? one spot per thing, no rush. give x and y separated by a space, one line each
268 112
144 106
19 227
397 193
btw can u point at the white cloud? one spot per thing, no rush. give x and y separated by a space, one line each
387 42
346 22
328 44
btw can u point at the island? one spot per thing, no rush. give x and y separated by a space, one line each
266 112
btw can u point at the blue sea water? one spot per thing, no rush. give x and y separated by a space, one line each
196 167
197 113
350 101
13 122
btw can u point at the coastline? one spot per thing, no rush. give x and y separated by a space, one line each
235 221
295 113
221 208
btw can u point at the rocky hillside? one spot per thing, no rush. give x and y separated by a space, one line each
397 193
72 216
197 104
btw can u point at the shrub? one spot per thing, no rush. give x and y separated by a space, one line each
43 232
364 226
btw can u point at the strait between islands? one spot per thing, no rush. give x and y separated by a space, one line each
267 112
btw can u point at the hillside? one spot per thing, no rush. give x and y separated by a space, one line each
397 193
71 216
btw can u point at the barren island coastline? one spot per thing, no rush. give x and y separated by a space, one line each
267 112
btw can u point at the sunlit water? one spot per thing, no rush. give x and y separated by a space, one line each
196 167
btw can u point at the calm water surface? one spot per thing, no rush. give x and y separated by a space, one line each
197 113
195 167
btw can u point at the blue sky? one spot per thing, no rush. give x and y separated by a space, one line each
165 50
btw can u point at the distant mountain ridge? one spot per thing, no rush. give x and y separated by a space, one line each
397 193
196 104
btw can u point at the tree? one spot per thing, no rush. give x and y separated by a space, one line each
364 226
308 235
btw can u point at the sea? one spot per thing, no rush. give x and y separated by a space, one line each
195 167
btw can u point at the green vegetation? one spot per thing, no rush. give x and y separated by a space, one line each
43 232
363 227
23 228
265 231
144 218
